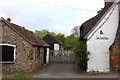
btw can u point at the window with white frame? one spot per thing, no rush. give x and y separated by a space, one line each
7 52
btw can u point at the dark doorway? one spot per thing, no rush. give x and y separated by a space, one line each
45 52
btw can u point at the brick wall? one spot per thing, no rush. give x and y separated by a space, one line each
30 60
115 52
42 56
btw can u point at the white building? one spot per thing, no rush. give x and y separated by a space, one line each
99 33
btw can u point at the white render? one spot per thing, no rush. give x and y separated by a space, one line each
99 48
56 47
47 57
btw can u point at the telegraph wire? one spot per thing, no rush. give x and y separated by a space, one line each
67 7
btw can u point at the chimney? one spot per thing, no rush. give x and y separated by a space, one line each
8 19
106 2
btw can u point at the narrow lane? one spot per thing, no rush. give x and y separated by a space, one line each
57 70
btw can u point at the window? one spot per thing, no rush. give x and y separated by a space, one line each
7 52
38 51
56 46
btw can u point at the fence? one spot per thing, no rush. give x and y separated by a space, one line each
62 56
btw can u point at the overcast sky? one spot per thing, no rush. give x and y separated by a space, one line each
54 15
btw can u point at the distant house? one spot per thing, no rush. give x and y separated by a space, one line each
22 50
54 43
99 33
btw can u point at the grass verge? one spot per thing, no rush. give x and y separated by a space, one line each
17 74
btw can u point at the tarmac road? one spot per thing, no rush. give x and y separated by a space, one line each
58 70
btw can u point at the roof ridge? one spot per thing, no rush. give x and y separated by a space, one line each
21 27
40 39
25 33
90 24
55 38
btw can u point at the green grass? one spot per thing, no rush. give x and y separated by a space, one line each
17 74
94 72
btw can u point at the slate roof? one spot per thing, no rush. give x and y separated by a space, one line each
51 40
89 25
28 35
50 37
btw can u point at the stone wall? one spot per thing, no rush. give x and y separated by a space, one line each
24 51
115 53
37 62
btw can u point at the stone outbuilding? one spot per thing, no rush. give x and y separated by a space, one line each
21 49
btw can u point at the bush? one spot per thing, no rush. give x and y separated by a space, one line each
81 53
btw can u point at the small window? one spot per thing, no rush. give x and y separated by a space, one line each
56 47
7 52
38 51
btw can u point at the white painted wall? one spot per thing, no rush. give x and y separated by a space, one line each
56 47
47 57
99 48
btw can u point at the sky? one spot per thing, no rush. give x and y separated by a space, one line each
59 16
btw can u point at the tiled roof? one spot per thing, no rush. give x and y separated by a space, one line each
90 24
51 37
29 35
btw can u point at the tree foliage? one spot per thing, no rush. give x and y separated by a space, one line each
76 31
61 37
100 10
70 41
80 50
41 33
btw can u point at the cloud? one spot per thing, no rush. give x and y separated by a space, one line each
54 15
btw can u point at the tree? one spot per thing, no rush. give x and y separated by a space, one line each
81 55
53 33
70 41
61 37
41 33
76 31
